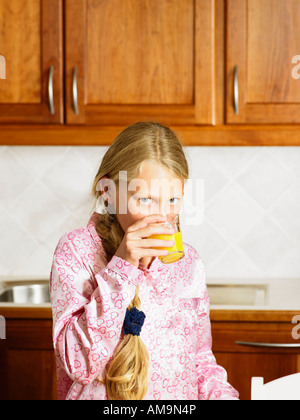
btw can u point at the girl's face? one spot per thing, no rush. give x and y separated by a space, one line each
155 191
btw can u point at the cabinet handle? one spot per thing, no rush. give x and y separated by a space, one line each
235 90
50 91
277 345
74 90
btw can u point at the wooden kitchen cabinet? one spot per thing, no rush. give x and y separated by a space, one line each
242 362
262 41
116 62
139 60
124 61
31 42
27 358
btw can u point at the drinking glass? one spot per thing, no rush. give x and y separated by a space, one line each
176 251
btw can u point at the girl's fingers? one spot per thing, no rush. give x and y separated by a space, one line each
154 230
155 242
145 221
144 252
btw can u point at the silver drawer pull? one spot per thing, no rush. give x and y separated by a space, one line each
277 345
50 91
74 90
236 90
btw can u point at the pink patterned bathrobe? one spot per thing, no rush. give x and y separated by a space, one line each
89 299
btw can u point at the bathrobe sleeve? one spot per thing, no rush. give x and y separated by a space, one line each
89 299
212 378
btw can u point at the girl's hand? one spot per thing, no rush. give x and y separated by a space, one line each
133 247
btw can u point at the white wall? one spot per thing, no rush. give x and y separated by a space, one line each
251 226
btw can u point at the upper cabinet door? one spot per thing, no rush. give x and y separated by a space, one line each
31 44
139 59
262 42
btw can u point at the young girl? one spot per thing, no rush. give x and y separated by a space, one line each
125 325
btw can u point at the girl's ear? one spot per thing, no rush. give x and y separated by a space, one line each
108 191
104 188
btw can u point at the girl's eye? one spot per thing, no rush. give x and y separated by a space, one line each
147 198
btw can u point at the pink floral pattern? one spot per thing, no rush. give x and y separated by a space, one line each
89 299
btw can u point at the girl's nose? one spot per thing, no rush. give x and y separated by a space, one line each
169 216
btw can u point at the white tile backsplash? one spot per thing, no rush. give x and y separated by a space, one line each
233 212
251 225
265 180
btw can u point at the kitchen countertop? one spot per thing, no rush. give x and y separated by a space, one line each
217 315
282 295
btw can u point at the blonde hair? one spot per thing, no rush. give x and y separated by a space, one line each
127 374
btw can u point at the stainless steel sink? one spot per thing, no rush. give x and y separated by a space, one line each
27 293
238 294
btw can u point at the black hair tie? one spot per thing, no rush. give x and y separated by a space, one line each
133 322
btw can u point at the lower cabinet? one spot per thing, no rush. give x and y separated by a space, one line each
27 359
265 351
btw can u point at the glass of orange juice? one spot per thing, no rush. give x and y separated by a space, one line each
176 251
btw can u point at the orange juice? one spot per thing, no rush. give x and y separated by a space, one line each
175 252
